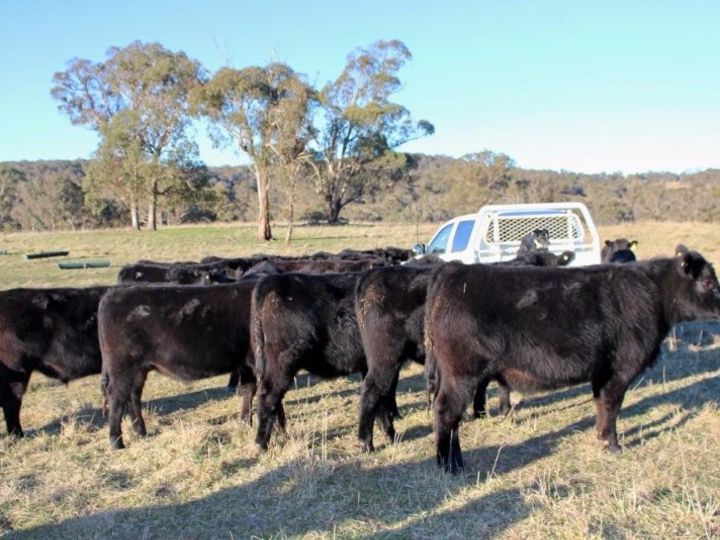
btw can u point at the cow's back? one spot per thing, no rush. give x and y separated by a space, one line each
549 326
194 330
51 330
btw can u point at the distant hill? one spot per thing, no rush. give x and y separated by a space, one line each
48 194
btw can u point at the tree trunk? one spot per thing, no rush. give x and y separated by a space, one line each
291 206
134 214
291 215
264 232
152 210
334 209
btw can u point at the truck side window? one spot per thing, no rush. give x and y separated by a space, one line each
439 243
462 235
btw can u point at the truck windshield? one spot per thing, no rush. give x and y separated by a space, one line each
439 243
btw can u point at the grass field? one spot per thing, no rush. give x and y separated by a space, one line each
538 473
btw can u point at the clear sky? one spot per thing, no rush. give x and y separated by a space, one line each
576 85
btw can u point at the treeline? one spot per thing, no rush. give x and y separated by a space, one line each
48 195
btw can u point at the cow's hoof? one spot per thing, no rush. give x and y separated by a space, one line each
366 446
117 444
614 448
262 447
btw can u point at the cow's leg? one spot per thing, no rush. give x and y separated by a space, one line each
608 403
12 394
479 410
246 392
393 396
135 409
378 396
234 380
448 408
504 404
270 405
246 389
119 389
280 411
386 417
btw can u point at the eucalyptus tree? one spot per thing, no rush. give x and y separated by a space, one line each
358 128
292 129
138 95
262 110
117 171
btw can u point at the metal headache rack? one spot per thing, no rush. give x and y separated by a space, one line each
565 226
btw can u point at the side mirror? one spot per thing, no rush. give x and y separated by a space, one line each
418 249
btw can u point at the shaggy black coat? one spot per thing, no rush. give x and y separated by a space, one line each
545 328
53 331
302 322
187 332
390 304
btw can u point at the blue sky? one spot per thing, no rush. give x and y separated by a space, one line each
575 85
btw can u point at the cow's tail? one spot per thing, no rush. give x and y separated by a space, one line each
257 336
432 374
104 375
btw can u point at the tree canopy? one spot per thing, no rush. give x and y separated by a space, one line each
138 102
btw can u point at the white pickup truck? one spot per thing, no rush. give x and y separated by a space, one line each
495 232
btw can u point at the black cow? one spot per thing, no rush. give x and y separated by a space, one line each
303 322
618 251
53 331
538 240
180 273
188 332
390 304
545 328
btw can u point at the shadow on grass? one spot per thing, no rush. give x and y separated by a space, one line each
292 501
671 366
191 400
508 458
398 500
91 418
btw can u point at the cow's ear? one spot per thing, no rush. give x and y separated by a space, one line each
683 258
681 250
633 244
608 243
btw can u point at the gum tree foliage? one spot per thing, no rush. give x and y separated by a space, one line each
137 101
263 111
358 127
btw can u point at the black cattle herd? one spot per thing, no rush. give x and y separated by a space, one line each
527 324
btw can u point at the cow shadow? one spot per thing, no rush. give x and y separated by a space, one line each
676 363
191 400
89 417
334 493
690 399
285 502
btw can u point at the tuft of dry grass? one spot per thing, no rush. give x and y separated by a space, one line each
537 473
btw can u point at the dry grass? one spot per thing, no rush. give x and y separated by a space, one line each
539 473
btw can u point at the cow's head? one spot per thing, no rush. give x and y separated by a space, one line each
542 238
694 288
620 250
